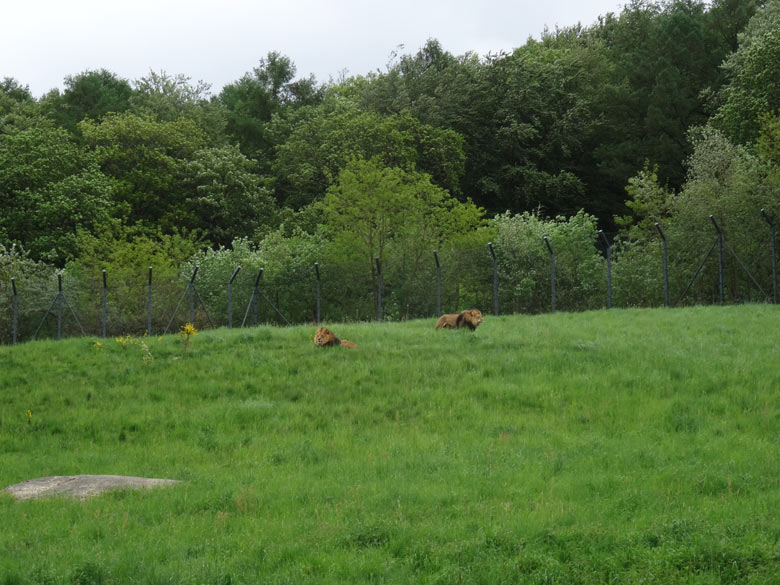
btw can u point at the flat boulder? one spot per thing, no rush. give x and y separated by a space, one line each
81 486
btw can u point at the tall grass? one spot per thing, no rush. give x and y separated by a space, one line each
610 446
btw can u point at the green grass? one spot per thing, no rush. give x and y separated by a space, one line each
626 446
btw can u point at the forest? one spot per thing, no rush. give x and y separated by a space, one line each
619 135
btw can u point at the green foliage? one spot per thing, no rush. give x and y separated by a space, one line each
768 144
52 188
648 201
753 70
596 118
545 123
665 60
610 446
126 256
286 263
730 183
467 275
148 159
17 105
167 98
252 101
637 271
90 94
289 277
727 181
327 138
398 217
228 197
34 287
525 266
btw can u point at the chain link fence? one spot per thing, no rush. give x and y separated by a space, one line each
528 274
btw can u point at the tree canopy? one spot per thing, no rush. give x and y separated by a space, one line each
655 113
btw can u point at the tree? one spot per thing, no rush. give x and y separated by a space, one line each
545 126
148 159
228 199
326 138
372 208
524 261
648 201
17 106
51 188
253 100
91 94
665 62
753 70
730 182
527 119
168 98
769 140
444 92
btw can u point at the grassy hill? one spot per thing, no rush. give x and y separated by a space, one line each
611 446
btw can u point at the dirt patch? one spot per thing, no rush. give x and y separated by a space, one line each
81 486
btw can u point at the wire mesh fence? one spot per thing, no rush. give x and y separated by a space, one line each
498 277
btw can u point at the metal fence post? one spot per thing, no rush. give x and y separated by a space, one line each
59 306
438 284
666 264
149 306
379 289
495 278
105 298
230 296
609 269
773 249
552 272
253 301
59 300
319 289
720 259
15 310
255 296
192 294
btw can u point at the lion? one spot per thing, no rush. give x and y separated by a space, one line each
324 337
470 319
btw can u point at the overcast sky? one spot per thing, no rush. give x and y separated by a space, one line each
217 41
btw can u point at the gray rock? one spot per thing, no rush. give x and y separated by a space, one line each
81 486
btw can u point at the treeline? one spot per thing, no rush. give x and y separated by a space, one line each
666 112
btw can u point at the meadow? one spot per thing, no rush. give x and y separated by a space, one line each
620 446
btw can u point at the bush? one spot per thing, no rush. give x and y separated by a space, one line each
126 260
288 281
36 287
524 263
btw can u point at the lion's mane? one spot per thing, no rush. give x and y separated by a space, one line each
471 319
324 337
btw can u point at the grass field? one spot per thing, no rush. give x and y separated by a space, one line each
623 446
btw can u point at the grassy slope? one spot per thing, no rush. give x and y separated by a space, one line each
613 445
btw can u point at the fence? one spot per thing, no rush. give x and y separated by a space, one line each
302 298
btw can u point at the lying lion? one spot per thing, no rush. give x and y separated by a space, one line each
470 319
324 337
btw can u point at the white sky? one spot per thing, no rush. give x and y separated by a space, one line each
217 41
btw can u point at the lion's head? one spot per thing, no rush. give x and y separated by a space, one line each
324 336
471 318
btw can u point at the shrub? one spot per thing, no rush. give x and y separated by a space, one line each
36 287
524 262
126 259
